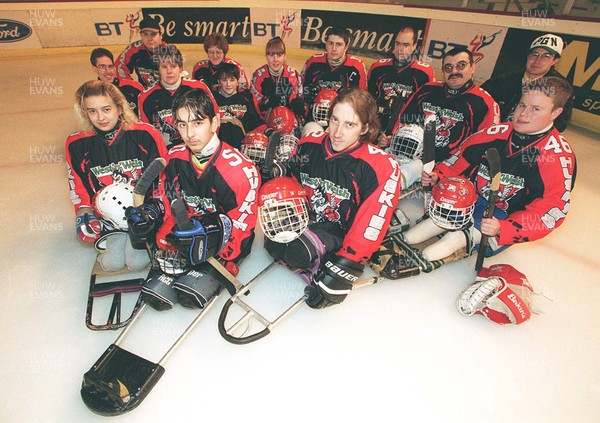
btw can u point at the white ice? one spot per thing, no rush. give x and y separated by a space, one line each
396 351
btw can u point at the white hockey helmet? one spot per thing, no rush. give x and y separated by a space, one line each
407 143
452 202
111 201
322 104
282 209
287 145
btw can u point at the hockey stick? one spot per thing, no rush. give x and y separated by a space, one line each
274 139
394 114
493 159
145 182
429 151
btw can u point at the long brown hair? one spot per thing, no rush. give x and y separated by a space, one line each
364 106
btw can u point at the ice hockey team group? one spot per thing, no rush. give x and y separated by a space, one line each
323 160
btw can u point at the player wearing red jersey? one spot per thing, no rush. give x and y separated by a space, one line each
114 149
216 47
352 189
138 57
538 171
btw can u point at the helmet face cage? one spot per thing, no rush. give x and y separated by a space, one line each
407 143
111 202
286 146
322 105
283 221
254 146
452 203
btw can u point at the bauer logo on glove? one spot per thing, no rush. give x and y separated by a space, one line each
501 293
206 239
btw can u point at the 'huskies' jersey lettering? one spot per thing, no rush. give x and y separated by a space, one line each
228 184
357 189
536 180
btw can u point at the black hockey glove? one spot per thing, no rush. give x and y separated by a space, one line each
268 88
298 106
333 282
144 221
206 239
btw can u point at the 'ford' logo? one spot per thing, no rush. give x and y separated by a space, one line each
11 31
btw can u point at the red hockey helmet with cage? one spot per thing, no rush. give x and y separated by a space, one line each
322 104
452 202
281 119
254 145
282 209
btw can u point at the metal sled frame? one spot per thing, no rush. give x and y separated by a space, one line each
237 299
114 288
250 313
120 380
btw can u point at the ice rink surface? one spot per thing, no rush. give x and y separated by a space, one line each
397 351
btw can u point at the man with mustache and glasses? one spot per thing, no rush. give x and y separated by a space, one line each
461 107
544 54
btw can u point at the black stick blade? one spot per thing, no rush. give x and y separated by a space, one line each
180 213
145 182
493 159
429 142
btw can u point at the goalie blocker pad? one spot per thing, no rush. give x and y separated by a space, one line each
196 287
500 293
158 292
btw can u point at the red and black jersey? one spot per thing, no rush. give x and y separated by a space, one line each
131 90
318 74
459 113
287 85
228 183
357 189
156 103
241 106
205 71
388 81
94 162
137 58
535 184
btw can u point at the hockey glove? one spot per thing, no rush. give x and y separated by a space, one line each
332 282
144 221
88 227
206 239
299 107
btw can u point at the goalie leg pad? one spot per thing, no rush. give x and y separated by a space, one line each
158 292
113 257
196 287
135 259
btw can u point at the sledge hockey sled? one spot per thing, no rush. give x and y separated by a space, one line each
115 288
231 333
120 380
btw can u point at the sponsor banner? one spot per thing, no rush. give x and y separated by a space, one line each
191 25
116 26
373 35
269 23
16 31
63 28
484 41
579 63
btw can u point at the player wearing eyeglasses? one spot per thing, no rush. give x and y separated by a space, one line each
103 64
544 54
460 106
